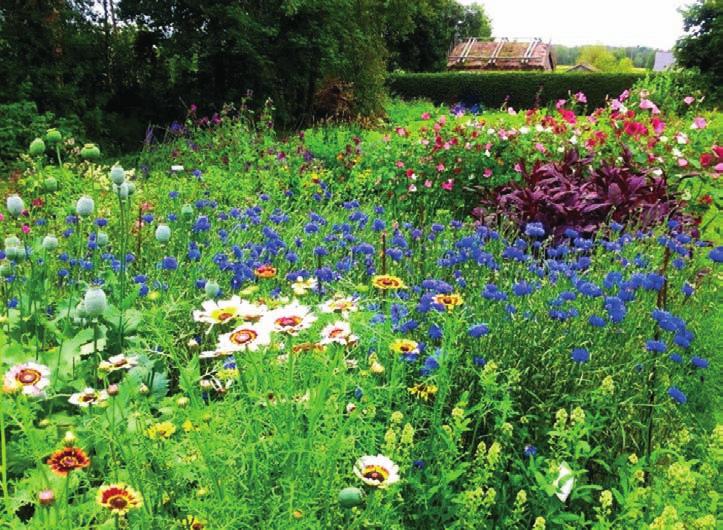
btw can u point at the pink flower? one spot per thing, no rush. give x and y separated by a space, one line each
401 131
624 95
2 217
400 164
412 188
699 123
440 167
688 100
488 172
26 229
427 183
616 105
649 105
560 103
658 125
682 162
511 111
442 120
540 147
425 115
518 167
448 185
719 167
580 97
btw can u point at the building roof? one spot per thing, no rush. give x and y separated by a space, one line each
583 67
663 61
503 54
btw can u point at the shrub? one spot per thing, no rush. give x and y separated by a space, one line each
518 89
573 195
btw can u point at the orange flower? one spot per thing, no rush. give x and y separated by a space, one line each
265 271
67 459
119 498
386 282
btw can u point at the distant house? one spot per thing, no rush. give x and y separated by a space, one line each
583 67
503 54
663 61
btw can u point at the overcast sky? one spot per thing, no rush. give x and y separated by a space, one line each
654 23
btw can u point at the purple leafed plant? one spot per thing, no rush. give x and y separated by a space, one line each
573 194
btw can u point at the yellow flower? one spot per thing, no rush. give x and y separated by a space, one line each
162 430
387 282
423 390
119 498
404 347
449 301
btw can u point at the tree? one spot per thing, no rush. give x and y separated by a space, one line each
603 59
702 45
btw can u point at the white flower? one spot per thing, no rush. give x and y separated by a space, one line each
177 168
301 286
88 397
339 332
524 129
564 482
29 378
340 304
118 362
222 311
378 471
246 337
290 318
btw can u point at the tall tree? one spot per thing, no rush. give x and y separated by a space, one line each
701 46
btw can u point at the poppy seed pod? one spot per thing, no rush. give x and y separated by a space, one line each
95 302
212 288
50 242
131 188
11 242
85 206
351 497
187 211
117 175
90 152
163 233
50 184
15 205
37 147
101 239
53 136
122 190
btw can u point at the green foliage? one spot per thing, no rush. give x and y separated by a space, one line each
604 60
518 89
641 56
701 47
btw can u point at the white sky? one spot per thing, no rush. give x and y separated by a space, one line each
654 23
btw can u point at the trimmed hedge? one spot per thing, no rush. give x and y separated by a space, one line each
491 88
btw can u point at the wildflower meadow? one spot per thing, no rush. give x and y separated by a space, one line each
454 318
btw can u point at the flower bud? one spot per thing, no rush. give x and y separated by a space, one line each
37 147
131 188
50 184
187 211
46 497
85 206
53 136
143 389
113 390
15 205
80 310
350 497
212 288
50 242
11 242
95 302
69 438
90 152
101 239
117 175
183 402
163 233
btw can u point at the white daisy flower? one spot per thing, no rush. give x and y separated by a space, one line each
340 304
302 286
340 333
222 311
118 362
88 397
30 379
290 319
246 337
378 471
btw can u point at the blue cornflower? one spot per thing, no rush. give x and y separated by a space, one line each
479 361
169 263
597 321
478 330
435 332
699 362
419 464
657 346
716 254
677 395
687 289
676 358
530 450
535 230
580 355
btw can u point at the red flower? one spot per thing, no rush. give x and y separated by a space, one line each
65 460
706 199
706 159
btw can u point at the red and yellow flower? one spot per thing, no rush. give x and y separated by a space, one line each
265 271
449 301
386 282
67 459
119 498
